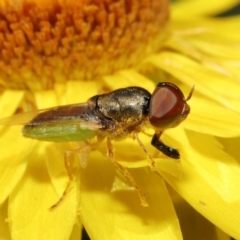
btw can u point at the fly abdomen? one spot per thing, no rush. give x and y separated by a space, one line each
58 132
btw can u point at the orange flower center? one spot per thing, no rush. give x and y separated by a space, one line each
43 42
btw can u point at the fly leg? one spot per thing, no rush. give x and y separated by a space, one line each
126 173
169 151
152 162
69 171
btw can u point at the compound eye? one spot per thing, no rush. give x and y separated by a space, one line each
168 106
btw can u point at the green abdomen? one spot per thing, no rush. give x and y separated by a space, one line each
76 122
58 133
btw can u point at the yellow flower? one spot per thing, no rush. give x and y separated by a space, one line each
49 50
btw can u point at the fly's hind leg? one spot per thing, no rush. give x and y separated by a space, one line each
152 162
126 173
69 171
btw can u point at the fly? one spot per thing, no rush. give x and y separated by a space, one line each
115 115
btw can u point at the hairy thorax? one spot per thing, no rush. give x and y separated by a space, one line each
122 111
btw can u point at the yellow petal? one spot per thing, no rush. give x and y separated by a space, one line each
29 214
212 118
46 99
80 91
207 29
9 101
128 78
193 223
231 146
69 93
225 49
76 233
107 215
210 181
207 81
14 160
14 157
4 227
195 8
207 48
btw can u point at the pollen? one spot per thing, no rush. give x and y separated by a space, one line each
44 42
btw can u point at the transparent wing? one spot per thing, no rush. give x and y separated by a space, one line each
67 114
20 119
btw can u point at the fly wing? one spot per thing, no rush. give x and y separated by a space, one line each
67 114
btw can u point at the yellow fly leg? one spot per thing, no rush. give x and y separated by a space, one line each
152 162
126 173
69 171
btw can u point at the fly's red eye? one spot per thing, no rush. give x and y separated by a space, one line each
168 106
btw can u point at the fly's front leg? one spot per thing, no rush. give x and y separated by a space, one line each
168 151
69 171
152 162
126 173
